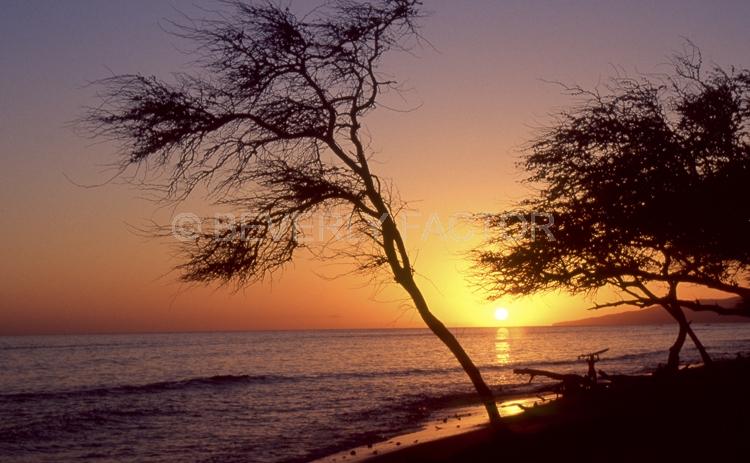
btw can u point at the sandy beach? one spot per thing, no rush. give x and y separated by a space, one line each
695 415
456 424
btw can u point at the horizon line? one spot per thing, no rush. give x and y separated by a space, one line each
258 330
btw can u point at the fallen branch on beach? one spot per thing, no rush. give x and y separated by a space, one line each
533 372
569 382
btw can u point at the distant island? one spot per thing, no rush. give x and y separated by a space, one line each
655 315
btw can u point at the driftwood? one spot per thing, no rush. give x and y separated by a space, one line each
593 355
591 359
533 372
569 382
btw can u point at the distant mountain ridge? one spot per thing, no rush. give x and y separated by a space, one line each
656 315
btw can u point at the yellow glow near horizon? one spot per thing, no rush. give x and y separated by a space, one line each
501 314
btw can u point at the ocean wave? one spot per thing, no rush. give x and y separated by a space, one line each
157 387
215 381
249 379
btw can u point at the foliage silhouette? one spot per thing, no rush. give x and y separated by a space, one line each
646 187
272 125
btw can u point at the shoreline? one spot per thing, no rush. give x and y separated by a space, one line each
450 422
696 414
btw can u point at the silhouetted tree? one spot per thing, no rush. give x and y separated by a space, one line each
272 125
646 186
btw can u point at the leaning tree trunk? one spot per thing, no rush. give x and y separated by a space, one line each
673 361
398 260
699 345
439 329
674 352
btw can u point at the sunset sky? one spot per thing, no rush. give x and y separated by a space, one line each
70 260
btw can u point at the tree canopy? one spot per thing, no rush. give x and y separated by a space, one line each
645 182
271 125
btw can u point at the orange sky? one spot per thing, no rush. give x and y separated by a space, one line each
70 263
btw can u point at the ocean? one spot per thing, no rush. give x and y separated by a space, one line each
288 396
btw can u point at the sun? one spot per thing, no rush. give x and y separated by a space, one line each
501 314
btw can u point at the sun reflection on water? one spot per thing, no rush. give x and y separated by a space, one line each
502 346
